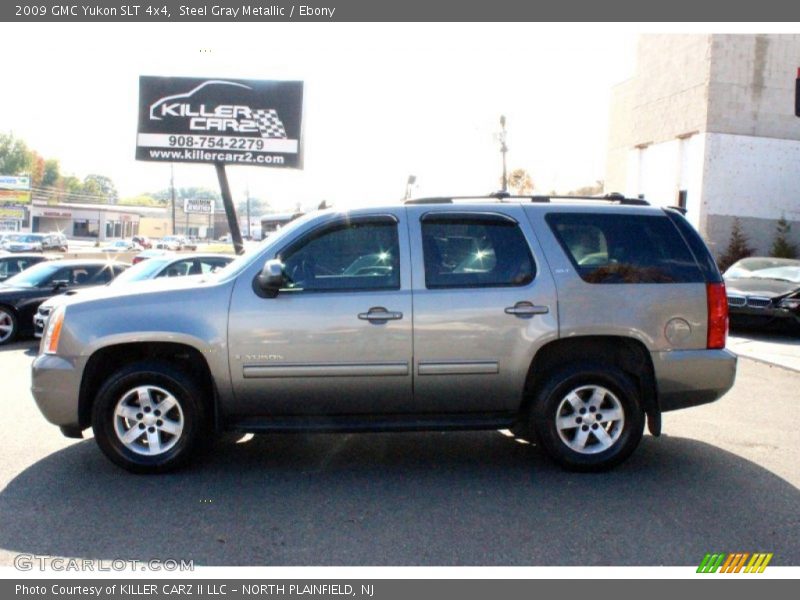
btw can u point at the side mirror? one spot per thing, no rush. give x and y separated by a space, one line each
59 284
271 279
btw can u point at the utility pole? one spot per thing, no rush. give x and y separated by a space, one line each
503 151
412 179
172 192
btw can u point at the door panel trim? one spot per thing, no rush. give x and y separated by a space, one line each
326 370
465 367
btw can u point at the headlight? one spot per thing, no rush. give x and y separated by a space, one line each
53 333
790 303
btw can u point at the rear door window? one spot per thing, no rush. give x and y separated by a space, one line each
475 250
625 248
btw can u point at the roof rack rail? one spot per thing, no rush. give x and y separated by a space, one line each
501 196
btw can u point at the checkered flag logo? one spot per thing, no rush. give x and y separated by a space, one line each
269 124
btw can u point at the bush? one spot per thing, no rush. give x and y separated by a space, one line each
781 246
738 247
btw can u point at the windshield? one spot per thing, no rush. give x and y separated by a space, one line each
790 274
33 277
28 239
766 268
146 269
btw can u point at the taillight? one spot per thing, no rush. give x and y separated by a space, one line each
717 315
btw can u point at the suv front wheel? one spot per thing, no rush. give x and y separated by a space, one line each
588 417
149 418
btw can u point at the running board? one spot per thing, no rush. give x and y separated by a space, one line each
367 423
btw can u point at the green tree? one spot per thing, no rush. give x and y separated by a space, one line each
520 182
781 246
52 173
738 246
141 200
102 186
589 190
257 207
15 157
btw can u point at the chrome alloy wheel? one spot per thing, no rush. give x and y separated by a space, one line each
590 419
148 420
6 325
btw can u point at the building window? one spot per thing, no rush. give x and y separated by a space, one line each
85 228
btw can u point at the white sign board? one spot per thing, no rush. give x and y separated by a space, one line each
198 206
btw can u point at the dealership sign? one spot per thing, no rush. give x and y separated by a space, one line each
229 121
15 190
12 213
198 206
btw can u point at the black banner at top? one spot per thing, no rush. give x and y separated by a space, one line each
218 120
402 10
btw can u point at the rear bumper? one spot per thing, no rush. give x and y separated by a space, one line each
55 385
686 378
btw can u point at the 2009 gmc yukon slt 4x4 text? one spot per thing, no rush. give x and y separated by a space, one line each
569 322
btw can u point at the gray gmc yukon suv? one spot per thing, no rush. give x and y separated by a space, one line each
571 322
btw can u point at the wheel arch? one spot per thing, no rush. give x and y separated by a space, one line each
626 353
109 359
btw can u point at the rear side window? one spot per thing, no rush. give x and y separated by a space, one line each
620 248
475 251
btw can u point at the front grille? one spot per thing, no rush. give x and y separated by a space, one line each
737 301
758 302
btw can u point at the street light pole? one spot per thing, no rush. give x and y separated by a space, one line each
172 193
503 151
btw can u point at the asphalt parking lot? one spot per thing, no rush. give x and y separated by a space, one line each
724 477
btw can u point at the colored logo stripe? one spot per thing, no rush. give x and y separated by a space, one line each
734 562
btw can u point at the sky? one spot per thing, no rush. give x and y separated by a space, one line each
382 102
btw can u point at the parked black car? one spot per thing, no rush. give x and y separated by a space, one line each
764 291
12 264
22 294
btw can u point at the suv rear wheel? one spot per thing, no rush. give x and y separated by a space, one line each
588 417
149 418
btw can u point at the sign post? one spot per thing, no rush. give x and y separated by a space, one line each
221 121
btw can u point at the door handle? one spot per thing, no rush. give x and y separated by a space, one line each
526 309
378 314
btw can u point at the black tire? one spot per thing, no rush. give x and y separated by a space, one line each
192 412
8 318
616 394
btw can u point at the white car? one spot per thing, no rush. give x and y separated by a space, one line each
120 246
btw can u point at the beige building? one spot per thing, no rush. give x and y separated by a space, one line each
707 122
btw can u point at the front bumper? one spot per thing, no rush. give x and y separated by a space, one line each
745 315
55 385
687 378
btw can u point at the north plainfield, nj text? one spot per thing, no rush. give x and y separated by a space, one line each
253 10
